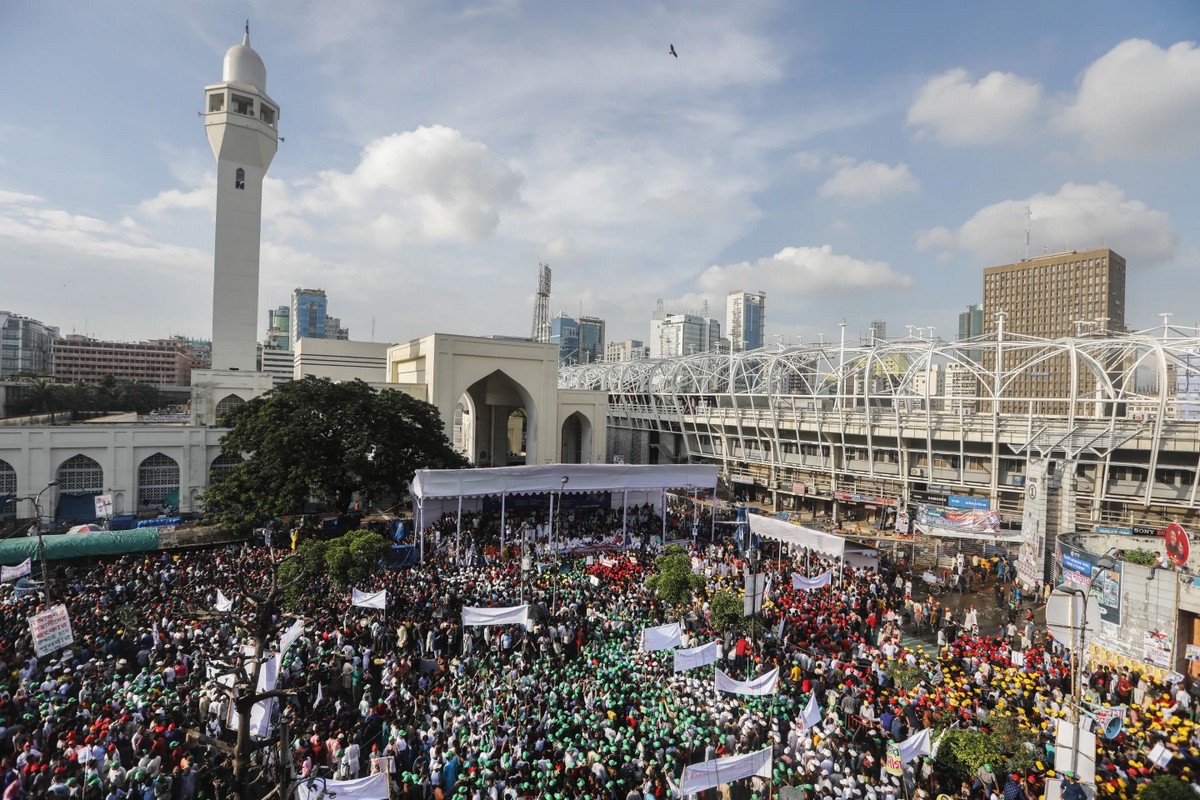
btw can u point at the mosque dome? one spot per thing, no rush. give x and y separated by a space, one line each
243 65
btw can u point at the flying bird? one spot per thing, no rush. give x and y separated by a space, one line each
673 51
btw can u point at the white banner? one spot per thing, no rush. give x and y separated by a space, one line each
753 593
695 657
290 636
664 637
763 684
223 602
710 774
261 713
19 571
51 630
803 584
369 599
104 505
374 787
483 617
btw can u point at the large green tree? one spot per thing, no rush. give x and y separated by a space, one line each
316 439
673 580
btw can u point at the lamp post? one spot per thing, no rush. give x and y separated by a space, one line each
562 485
37 526
1078 656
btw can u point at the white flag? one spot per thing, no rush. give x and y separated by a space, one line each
810 717
223 602
320 695
369 600
762 685
916 746
19 571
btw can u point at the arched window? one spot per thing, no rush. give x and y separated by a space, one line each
227 404
80 475
8 490
239 179
221 465
158 482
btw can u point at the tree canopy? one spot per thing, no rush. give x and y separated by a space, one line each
40 394
673 578
324 441
346 561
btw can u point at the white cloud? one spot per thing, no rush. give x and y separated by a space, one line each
955 111
794 274
1078 216
1138 99
427 185
869 182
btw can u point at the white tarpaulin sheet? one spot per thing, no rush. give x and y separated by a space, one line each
801 583
549 478
861 558
711 774
223 602
780 531
695 657
763 684
374 787
369 599
664 637
509 615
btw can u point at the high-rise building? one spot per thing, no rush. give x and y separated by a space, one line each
162 362
878 331
309 317
628 350
564 334
334 329
591 340
970 325
745 320
683 334
1052 297
240 120
279 328
26 346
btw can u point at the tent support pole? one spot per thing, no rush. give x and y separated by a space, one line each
503 497
624 513
663 501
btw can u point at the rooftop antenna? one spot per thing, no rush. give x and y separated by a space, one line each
1028 214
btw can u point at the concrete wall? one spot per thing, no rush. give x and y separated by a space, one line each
36 453
341 360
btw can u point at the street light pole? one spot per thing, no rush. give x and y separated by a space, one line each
37 509
1079 656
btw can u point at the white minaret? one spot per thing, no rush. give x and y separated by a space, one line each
241 122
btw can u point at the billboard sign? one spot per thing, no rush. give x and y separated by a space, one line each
972 521
1079 568
962 501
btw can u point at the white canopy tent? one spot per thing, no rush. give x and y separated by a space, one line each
617 479
780 531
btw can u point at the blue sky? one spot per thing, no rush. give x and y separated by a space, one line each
862 160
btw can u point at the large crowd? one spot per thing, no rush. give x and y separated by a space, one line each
569 707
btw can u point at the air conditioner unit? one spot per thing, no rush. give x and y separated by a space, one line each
917 472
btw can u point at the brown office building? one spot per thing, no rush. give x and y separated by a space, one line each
162 362
1052 297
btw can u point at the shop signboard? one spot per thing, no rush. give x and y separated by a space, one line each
972 521
1114 530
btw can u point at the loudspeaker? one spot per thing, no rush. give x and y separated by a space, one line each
1113 727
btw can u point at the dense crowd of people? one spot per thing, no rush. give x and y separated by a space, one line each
569 707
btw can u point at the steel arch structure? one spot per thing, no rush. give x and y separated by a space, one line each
891 418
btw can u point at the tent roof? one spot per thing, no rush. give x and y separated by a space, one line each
777 529
432 483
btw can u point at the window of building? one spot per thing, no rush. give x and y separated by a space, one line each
242 105
216 102
80 475
239 179
267 114
158 482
